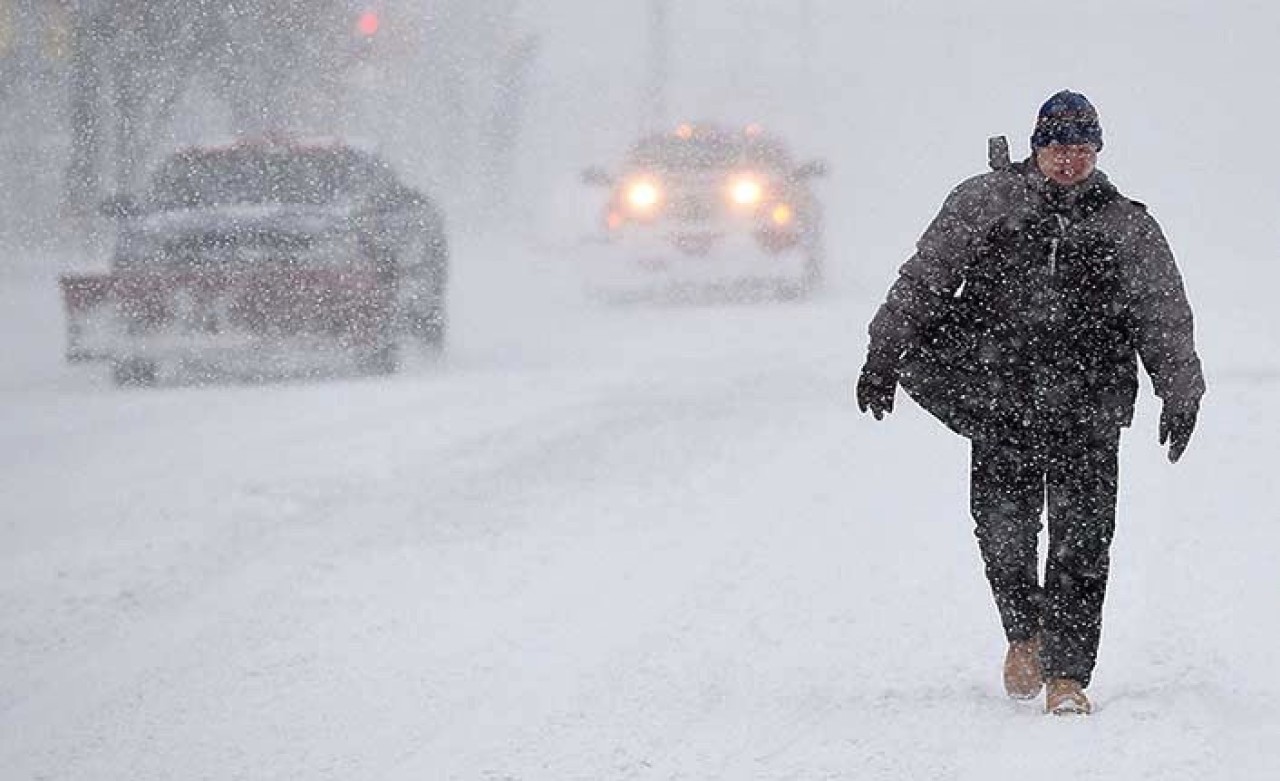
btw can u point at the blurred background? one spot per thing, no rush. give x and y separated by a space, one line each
495 106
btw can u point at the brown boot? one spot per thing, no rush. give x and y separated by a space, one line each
1023 676
1065 697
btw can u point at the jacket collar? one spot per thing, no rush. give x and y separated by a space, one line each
1075 202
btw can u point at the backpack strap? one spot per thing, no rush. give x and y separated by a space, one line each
998 153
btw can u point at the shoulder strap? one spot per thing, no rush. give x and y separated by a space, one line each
998 153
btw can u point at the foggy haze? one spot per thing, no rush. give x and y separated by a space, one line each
900 97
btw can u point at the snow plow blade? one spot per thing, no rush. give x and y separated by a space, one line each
81 295
163 315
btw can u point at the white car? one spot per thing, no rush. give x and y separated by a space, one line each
704 207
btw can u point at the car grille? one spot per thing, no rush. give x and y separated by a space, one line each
692 208
218 249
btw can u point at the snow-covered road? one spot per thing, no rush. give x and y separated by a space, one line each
649 542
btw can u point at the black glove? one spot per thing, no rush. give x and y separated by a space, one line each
876 386
1177 421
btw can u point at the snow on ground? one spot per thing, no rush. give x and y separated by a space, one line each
646 542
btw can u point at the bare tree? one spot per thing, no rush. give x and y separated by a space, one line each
133 60
444 87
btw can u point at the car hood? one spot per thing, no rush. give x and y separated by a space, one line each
242 220
702 178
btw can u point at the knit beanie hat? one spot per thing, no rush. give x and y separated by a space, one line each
1067 118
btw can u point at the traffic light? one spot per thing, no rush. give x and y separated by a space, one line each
365 27
368 22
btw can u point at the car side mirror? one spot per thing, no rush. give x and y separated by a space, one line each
814 169
597 177
121 206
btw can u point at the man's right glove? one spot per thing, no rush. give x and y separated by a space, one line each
1177 421
876 386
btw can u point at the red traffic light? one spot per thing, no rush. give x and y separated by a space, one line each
368 23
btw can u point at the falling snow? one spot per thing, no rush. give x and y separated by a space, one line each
652 540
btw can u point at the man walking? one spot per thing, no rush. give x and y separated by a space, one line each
1018 322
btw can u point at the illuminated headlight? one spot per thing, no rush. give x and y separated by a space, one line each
643 195
782 215
746 191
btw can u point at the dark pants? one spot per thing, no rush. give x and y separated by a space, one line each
1010 480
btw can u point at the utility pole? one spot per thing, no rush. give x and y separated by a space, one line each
655 98
806 37
808 42
85 94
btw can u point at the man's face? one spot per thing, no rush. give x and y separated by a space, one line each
1067 164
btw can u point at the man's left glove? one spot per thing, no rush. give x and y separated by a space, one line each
1177 421
877 385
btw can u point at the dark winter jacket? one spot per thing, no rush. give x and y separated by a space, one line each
1026 304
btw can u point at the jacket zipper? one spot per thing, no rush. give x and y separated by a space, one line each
1053 246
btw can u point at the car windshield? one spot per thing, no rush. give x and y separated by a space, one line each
314 177
703 152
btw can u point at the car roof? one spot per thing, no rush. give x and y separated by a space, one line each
751 142
268 145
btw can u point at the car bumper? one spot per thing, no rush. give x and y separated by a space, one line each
674 260
260 319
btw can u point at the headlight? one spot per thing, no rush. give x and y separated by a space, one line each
782 215
746 191
643 195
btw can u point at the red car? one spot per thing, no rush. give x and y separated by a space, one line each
264 258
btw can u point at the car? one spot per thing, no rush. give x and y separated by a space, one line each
264 256
707 206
